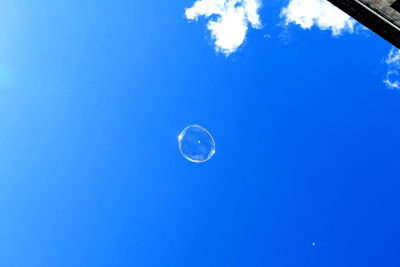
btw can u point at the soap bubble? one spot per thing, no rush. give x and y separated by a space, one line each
196 144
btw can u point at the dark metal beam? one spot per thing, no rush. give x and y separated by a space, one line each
371 18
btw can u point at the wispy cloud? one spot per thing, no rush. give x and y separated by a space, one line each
228 20
307 13
392 79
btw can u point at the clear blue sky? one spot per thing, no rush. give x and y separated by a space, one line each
93 95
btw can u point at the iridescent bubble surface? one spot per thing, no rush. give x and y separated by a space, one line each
196 144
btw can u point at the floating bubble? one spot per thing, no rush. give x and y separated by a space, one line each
196 144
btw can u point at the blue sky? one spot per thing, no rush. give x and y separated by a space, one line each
93 95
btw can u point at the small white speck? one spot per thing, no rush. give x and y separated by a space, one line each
313 243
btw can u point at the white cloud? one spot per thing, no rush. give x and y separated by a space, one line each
229 20
392 79
393 57
321 13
